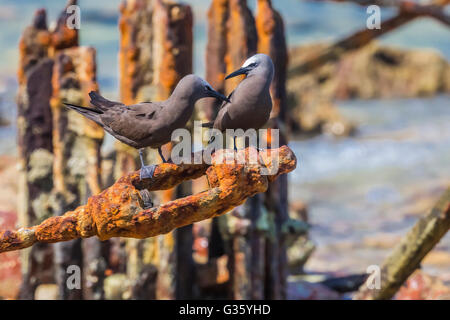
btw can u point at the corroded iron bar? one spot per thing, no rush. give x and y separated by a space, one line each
272 41
172 44
173 41
241 39
62 36
408 12
387 3
136 67
216 50
408 254
232 38
155 53
34 123
37 48
77 162
118 211
136 52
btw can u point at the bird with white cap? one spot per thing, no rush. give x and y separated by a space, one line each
250 104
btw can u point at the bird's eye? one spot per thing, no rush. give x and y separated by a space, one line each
252 65
208 88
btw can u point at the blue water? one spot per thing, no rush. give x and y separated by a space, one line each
368 185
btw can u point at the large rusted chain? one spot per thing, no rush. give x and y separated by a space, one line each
119 210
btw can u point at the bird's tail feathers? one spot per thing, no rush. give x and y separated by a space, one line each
100 102
80 109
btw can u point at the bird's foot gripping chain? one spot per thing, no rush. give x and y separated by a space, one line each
147 172
146 199
120 210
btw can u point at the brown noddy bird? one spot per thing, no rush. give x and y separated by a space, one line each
148 124
250 104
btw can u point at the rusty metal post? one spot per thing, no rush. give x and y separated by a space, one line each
272 41
173 40
37 48
241 39
216 50
155 53
76 169
232 39
136 66
137 84
241 44
34 124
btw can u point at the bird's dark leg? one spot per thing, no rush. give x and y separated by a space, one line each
146 171
234 142
141 155
161 155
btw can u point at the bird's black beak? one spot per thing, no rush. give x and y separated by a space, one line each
218 95
238 72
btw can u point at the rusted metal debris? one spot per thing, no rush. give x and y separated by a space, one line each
408 11
37 47
408 254
232 38
388 3
62 36
118 211
156 42
156 46
173 23
241 39
216 49
272 41
77 163
365 3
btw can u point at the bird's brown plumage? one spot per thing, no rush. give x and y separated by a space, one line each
148 124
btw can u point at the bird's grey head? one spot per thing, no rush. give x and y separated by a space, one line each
195 88
259 64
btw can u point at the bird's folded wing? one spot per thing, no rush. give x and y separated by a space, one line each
134 122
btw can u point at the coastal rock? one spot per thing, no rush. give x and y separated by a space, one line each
372 72
375 71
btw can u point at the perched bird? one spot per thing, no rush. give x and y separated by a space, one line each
148 124
250 104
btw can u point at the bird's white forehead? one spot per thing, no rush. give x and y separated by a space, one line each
249 61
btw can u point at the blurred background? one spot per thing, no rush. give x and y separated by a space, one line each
370 128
